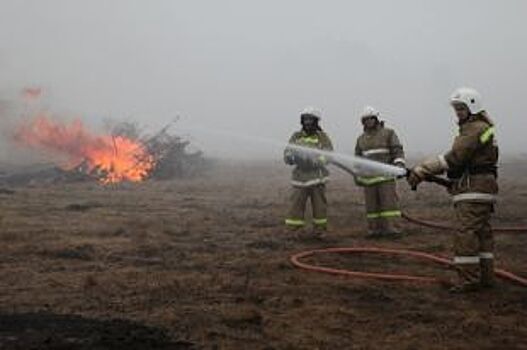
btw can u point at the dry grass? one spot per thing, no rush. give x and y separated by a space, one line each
207 259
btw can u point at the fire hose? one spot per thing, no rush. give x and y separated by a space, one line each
296 259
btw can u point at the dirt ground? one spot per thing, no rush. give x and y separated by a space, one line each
203 264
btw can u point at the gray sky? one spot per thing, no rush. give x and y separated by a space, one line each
251 66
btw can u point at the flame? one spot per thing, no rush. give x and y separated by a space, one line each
112 158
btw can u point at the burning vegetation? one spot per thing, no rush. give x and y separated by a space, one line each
125 154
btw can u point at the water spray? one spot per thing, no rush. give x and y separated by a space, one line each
353 165
356 165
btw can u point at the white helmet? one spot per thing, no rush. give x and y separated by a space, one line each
312 111
369 111
468 96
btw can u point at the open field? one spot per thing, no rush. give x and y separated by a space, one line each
203 263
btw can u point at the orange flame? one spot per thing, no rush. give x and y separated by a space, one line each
113 158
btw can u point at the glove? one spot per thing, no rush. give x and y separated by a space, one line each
415 177
290 156
289 159
431 166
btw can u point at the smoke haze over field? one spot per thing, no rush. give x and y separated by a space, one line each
249 67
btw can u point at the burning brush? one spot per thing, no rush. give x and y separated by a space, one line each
111 158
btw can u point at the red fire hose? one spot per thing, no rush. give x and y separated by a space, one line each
296 259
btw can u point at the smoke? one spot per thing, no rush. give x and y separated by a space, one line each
28 135
17 106
11 109
250 68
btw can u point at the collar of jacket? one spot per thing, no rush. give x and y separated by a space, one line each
305 134
474 118
376 128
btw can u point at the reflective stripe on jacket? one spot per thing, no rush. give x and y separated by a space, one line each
472 162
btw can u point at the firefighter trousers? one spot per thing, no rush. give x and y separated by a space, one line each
474 243
299 198
382 207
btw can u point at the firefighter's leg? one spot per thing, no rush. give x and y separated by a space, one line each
390 213
371 198
486 247
466 245
297 207
320 207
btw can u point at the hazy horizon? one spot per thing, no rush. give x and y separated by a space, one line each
248 68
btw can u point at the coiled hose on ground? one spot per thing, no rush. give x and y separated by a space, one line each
296 259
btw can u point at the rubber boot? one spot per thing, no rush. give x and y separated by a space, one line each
319 231
390 229
292 228
468 280
294 232
487 278
465 287
373 229
387 229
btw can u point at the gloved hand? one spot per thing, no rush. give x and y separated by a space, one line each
416 176
290 159
431 166
290 156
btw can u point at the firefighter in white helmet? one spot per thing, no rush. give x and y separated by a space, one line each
310 174
380 144
472 165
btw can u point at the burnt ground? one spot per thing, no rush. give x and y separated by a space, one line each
45 330
203 263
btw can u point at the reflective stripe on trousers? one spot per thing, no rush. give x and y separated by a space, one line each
474 259
385 214
295 222
466 260
486 255
320 222
474 196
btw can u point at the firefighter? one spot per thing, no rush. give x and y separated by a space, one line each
471 164
380 144
310 174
